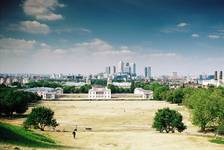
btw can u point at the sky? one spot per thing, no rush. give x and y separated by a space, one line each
85 36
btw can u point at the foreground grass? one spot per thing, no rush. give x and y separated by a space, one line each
218 140
10 134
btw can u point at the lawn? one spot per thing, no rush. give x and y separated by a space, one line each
16 135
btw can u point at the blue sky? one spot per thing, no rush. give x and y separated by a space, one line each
84 36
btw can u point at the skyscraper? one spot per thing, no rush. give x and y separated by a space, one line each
120 67
220 75
216 75
108 71
113 69
133 69
127 68
148 72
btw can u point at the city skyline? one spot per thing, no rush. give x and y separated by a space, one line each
65 36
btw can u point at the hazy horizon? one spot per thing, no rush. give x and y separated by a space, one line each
85 36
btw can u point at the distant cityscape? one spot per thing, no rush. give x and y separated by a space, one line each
121 75
126 71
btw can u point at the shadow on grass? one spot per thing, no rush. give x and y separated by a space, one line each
218 140
14 116
18 136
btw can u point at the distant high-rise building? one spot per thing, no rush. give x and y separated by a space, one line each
114 69
127 68
133 68
216 75
220 75
120 67
108 71
200 77
210 77
147 72
175 76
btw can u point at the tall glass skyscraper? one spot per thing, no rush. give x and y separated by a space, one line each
148 72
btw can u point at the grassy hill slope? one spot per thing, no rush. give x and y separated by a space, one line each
10 134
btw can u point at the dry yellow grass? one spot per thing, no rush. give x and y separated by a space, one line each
121 125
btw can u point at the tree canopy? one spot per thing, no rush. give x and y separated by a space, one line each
168 120
39 118
12 100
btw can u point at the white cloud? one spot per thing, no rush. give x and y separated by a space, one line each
16 45
194 35
33 27
85 30
70 30
162 55
95 45
180 27
182 24
42 9
60 51
213 36
86 57
44 45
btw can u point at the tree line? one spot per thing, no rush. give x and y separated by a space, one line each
15 101
85 88
206 105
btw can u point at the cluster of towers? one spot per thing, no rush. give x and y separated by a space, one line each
218 77
127 68
123 68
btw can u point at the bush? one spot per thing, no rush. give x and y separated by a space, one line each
39 118
168 120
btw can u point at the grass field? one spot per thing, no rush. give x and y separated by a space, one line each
121 125
15 135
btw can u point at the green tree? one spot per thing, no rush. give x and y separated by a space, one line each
69 89
112 88
176 96
220 130
39 118
207 107
43 83
160 93
168 120
85 88
99 82
132 88
14 101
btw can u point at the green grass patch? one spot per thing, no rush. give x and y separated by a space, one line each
218 140
10 134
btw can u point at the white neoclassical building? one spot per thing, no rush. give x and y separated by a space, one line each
146 94
99 93
46 92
